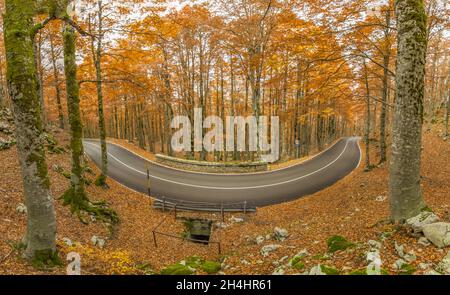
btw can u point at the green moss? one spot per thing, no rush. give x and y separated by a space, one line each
358 272
297 263
427 209
88 170
146 268
407 269
66 174
329 270
321 257
6 145
336 243
101 181
177 269
363 272
190 265
210 267
46 259
79 203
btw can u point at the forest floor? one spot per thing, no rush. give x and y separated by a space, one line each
354 208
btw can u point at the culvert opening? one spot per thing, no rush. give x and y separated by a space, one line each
198 230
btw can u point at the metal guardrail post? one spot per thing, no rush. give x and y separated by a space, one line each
148 183
175 210
164 204
245 207
222 211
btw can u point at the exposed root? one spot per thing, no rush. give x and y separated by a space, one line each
101 181
79 204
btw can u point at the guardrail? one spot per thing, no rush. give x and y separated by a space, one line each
163 203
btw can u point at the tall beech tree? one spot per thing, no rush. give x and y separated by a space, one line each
76 196
404 181
447 93
19 33
96 49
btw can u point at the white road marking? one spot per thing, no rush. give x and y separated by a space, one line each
229 188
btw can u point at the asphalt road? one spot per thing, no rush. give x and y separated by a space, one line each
257 189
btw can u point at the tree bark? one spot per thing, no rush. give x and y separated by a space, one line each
447 111
404 180
97 55
368 115
57 88
384 98
40 75
23 89
76 195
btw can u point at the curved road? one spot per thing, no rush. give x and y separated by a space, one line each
258 189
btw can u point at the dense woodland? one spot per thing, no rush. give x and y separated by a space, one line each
124 69
327 69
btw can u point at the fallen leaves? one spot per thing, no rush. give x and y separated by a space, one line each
351 209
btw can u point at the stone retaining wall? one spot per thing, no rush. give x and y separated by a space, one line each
211 167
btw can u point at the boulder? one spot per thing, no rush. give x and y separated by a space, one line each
425 266
280 234
68 242
374 244
400 249
260 240
444 265
236 219
381 198
438 234
424 242
279 271
317 271
418 222
96 241
21 208
266 250
300 255
410 257
399 264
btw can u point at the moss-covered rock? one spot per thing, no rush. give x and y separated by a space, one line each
328 270
407 269
363 272
336 243
297 261
177 269
190 265
299 265
210 267
6 144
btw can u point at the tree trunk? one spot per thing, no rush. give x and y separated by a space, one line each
22 84
57 88
101 180
404 180
40 75
76 195
447 111
368 115
384 98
